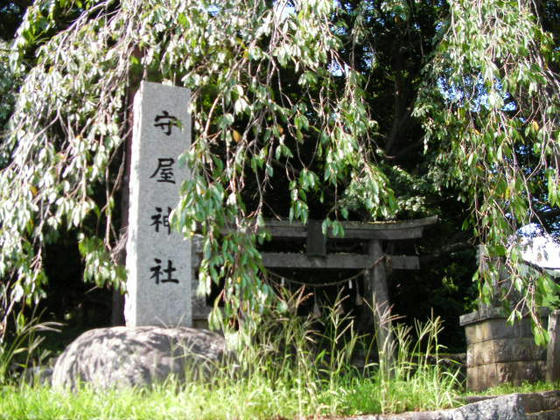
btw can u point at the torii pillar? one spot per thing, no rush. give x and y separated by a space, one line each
377 295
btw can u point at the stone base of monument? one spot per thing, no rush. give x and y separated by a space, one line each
137 357
500 353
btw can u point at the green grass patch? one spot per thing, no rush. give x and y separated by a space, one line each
524 388
288 367
248 398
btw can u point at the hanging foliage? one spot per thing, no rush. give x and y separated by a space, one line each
263 80
280 90
491 107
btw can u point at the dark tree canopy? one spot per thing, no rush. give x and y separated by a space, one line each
11 13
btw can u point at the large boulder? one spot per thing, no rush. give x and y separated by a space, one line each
141 356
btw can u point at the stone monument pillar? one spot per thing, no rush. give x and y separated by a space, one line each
158 259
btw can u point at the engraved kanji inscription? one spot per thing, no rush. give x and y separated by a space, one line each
164 171
165 275
166 122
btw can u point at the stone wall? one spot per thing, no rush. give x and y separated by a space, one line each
500 353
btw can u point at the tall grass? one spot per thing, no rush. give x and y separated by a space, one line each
305 365
294 367
417 380
21 348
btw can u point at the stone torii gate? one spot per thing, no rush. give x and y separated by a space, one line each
375 262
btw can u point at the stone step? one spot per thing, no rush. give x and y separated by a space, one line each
544 415
541 402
